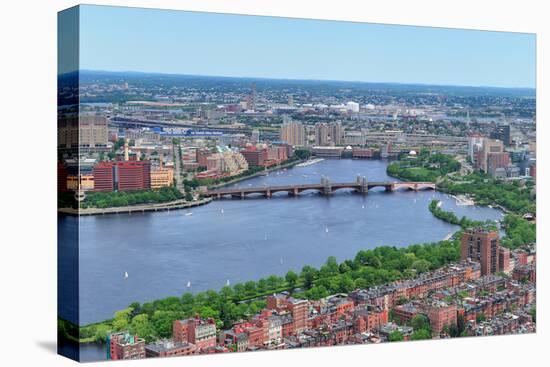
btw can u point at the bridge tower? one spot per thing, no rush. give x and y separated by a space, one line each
363 184
326 186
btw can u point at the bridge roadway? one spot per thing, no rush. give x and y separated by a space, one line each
325 188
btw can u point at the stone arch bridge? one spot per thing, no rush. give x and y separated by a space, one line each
325 187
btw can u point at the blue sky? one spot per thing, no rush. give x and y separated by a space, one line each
133 39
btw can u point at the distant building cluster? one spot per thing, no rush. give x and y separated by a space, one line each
498 159
125 173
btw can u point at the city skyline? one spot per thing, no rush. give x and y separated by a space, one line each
302 49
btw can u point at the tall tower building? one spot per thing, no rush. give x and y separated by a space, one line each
482 246
293 133
336 133
321 133
489 146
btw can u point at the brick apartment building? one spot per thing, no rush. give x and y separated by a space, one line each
125 346
200 332
482 246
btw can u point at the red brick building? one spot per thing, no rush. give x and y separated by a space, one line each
362 152
255 157
197 331
122 176
133 175
441 316
125 346
104 176
482 246
504 259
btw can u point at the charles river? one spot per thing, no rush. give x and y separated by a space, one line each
169 253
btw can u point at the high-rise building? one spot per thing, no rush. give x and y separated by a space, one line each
293 133
336 133
496 161
290 100
502 133
93 132
482 246
321 134
489 146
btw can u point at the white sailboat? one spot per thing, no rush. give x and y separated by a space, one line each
363 206
189 284
227 283
265 237
221 211
281 261
125 275
326 229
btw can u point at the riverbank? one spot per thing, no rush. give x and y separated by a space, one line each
261 173
141 208
368 268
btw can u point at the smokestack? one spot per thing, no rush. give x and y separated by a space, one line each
126 155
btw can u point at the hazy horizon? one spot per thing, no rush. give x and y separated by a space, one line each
160 73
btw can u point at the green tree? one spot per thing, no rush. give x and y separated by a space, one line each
421 334
396 336
291 278
121 319
421 322
141 326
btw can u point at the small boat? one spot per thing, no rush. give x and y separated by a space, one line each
125 275
189 284
227 283
281 261
363 206
265 237
326 229
221 211
188 214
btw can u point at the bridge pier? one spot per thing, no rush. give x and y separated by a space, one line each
389 188
268 194
293 192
